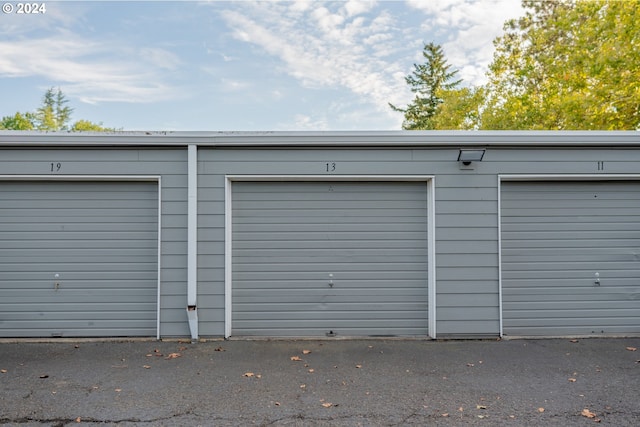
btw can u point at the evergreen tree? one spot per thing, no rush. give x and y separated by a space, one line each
427 81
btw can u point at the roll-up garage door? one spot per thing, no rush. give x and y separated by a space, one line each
78 258
571 258
329 258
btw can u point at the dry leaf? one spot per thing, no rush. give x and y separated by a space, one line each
219 349
146 366
541 410
327 405
311 370
249 374
587 413
471 365
482 416
481 407
258 376
296 358
445 414
306 351
572 380
3 371
149 355
631 348
173 356
118 390
303 385
277 403
78 420
182 348
573 341
358 366
44 376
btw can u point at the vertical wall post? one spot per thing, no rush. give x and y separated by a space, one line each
192 241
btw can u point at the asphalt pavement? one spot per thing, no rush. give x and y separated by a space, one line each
379 382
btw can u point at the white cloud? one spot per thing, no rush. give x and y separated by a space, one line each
473 25
328 45
88 69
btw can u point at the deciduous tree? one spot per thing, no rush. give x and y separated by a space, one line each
569 64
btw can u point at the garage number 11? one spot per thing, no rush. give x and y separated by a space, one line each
55 167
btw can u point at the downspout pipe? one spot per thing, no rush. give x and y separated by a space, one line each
192 241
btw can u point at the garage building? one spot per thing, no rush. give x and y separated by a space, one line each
319 234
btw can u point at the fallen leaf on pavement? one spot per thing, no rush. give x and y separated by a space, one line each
146 366
327 404
173 356
587 413
482 416
631 348
118 390
311 371
44 376
541 410
573 341
78 420
277 403
306 351
219 349
471 365
296 358
445 414
358 366
572 380
481 407
249 374
3 371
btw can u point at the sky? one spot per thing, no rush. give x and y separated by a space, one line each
238 65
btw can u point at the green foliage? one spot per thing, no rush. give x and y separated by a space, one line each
427 81
53 115
87 126
18 121
460 109
567 65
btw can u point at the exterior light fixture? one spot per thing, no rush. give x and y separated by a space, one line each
468 156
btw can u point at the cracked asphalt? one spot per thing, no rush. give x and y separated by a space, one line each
322 383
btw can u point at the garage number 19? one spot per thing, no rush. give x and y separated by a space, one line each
55 167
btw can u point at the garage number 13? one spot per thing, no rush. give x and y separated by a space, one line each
330 167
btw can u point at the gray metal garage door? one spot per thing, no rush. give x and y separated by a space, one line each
558 240
325 258
78 258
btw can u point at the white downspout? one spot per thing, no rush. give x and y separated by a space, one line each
192 241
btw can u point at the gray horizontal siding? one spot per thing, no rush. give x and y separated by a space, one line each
555 237
289 237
